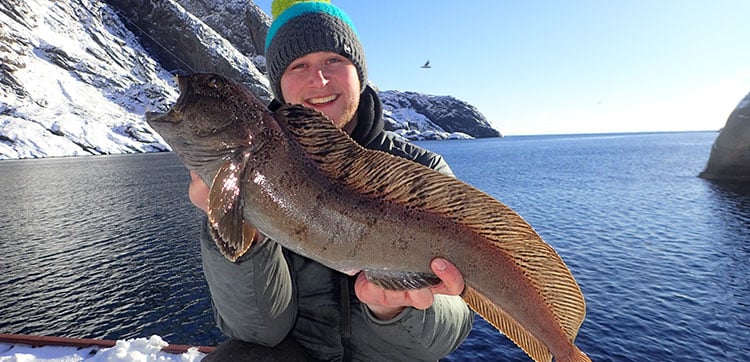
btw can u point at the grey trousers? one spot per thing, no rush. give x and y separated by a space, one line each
233 350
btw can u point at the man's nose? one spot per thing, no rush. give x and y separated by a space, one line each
319 77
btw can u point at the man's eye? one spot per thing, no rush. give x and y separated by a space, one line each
298 66
334 60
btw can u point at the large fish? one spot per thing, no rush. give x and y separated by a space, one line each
307 185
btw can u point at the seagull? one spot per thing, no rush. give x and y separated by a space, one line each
427 64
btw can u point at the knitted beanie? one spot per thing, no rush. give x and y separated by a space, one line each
303 27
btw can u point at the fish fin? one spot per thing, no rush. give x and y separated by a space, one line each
231 233
398 280
395 180
506 324
228 249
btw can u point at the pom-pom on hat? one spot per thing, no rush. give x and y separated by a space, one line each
303 27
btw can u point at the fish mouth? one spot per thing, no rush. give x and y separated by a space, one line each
173 114
156 116
169 117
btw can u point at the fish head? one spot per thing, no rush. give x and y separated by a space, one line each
212 118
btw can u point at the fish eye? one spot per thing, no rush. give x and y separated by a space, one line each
214 82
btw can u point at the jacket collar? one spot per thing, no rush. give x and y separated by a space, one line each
369 117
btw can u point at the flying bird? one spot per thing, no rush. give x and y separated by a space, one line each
427 65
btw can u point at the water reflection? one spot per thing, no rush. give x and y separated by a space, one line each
731 205
101 247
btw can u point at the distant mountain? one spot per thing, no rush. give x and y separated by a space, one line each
77 76
419 116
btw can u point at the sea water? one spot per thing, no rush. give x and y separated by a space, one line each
106 246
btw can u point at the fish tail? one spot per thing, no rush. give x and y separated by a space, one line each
506 324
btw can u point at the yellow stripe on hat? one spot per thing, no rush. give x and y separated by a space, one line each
278 6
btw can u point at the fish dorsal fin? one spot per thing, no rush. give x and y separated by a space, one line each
393 179
231 233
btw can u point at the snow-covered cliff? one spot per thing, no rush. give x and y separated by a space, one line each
77 76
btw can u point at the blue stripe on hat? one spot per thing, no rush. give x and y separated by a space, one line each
303 8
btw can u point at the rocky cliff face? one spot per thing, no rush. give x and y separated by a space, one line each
74 81
76 76
730 153
241 22
421 116
183 42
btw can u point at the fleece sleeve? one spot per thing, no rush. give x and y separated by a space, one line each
253 299
426 335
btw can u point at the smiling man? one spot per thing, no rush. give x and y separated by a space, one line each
327 82
276 305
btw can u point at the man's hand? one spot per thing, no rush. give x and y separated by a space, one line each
198 192
386 304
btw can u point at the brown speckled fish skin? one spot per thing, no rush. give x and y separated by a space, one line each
305 184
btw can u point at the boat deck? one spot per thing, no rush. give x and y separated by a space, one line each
43 341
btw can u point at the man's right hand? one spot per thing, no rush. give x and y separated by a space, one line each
198 192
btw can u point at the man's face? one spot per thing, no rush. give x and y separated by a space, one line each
327 82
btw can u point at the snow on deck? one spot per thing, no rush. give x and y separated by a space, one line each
19 348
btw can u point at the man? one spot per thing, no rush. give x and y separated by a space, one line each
277 305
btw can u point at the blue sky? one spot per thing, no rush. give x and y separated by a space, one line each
552 67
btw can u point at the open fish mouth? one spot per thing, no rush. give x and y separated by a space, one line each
170 117
156 116
173 114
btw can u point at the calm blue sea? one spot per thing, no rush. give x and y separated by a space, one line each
106 247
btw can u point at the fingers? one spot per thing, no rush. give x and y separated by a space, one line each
367 292
421 298
385 303
198 192
453 282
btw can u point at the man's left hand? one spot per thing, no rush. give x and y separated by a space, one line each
386 304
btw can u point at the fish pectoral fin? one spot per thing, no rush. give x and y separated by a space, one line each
507 325
232 250
232 234
400 280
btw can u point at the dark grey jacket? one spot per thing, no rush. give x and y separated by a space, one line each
271 292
